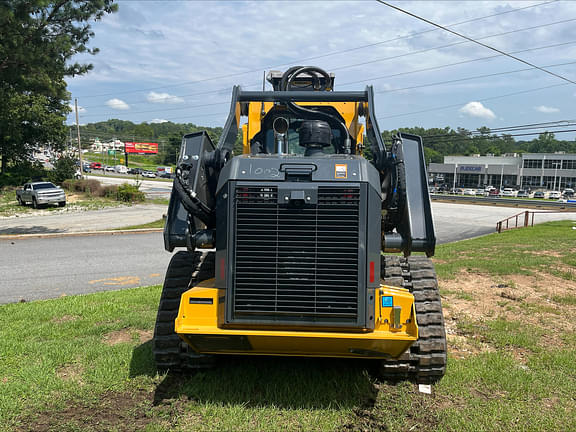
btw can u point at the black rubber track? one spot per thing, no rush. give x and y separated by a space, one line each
185 270
426 360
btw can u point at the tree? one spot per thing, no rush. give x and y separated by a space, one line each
38 39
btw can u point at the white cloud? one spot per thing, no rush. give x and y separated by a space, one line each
546 109
476 109
80 109
163 98
118 104
158 120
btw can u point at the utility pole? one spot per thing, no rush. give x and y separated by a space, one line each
78 132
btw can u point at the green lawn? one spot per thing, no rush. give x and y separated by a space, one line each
156 224
83 363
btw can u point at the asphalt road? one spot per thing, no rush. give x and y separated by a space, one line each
40 268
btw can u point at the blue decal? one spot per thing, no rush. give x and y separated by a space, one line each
387 301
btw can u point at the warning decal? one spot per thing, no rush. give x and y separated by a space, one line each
341 171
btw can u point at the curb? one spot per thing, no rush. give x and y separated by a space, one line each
79 234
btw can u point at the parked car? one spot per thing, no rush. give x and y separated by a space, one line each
554 195
96 165
166 175
109 168
469 192
40 193
568 192
121 169
148 174
135 171
539 194
508 192
494 193
479 192
522 194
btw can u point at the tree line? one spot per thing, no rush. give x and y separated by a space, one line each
438 142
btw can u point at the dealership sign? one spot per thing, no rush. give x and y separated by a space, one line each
470 168
142 148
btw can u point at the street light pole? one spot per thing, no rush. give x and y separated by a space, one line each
78 132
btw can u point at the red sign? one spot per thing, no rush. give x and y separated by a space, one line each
144 148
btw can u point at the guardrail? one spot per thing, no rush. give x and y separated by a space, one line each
505 201
526 218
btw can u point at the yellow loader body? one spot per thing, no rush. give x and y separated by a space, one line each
200 322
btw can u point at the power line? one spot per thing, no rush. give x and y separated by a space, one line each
454 64
392 58
476 41
464 103
333 53
220 90
469 78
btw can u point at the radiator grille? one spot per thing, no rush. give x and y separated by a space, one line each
296 264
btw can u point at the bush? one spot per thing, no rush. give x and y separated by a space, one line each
124 192
130 193
90 187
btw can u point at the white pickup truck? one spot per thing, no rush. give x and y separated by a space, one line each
40 193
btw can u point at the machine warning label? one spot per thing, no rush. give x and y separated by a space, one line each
341 171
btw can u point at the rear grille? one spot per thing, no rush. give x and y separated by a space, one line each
296 264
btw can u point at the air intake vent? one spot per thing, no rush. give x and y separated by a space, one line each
296 264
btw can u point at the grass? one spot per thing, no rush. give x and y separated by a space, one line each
156 224
84 363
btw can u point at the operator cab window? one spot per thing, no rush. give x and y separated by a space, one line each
293 141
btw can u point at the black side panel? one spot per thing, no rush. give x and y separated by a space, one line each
416 226
373 132
191 162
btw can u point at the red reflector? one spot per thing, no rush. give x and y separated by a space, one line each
371 271
222 269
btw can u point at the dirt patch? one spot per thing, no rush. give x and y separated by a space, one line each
64 319
479 297
549 253
128 411
70 372
126 336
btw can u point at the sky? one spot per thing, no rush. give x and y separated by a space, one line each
178 60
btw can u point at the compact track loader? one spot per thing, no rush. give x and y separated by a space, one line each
284 245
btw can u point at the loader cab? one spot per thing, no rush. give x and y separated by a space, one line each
270 141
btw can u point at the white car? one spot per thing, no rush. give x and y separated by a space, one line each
109 168
469 192
148 174
554 195
509 192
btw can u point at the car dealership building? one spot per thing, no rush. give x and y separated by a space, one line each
549 171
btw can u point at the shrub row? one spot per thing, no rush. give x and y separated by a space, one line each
125 192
